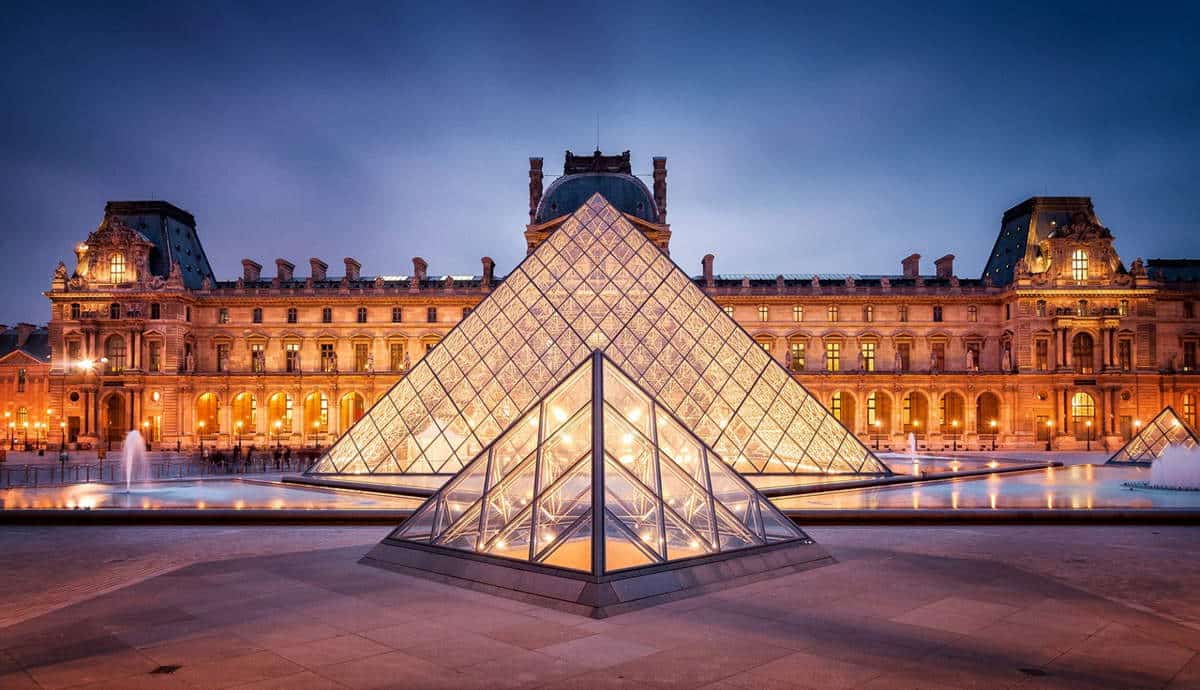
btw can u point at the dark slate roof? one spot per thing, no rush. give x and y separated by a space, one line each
625 192
1031 220
173 233
37 345
803 280
1174 270
365 282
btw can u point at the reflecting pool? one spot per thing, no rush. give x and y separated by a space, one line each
1078 487
235 494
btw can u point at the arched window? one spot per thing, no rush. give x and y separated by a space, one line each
972 313
279 416
1082 353
350 409
116 268
951 413
245 412
987 413
208 420
879 412
114 351
1083 414
1079 265
316 414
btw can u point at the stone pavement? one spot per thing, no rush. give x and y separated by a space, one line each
987 607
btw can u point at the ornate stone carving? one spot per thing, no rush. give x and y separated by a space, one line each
1083 227
60 271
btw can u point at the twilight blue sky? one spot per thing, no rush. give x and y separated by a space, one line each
827 138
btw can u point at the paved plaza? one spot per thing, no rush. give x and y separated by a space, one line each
270 607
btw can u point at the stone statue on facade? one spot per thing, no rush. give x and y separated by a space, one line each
972 363
1006 364
933 363
206 284
862 361
189 363
1138 268
787 360
897 362
175 275
370 363
885 284
60 271
850 282
407 364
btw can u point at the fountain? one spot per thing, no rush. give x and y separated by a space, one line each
1178 468
133 453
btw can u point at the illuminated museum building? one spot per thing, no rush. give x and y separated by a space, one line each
1057 339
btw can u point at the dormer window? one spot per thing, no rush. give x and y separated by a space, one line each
116 268
1079 265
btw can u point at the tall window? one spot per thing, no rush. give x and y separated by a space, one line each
116 268
1042 355
1079 265
905 352
937 312
1041 308
258 358
256 315
431 315
291 357
361 352
833 356
763 312
1083 414
1125 354
187 314
75 310
223 315
1123 307
1189 310
868 313
397 314
868 356
327 362
155 351
797 350
114 311
835 405
1081 307
1189 356
972 313
291 315
1189 409
21 380
326 315
114 350
1082 348
939 356
831 313
396 356
361 315
73 350
223 357
765 343
872 409
155 310
902 312
797 313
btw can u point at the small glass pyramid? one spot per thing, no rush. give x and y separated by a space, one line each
1164 430
597 478
597 283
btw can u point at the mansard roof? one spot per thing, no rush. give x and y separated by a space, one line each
172 231
36 342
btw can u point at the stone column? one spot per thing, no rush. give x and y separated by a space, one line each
1105 348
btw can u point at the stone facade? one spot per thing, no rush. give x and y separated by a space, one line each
1057 333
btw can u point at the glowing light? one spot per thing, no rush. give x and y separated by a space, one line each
558 413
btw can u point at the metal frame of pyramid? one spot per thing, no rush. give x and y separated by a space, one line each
597 501
1167 428
597 283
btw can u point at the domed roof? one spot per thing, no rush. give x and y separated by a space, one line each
625 192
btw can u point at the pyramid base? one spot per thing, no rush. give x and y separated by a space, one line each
598 597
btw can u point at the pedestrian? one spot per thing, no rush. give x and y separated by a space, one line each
287 458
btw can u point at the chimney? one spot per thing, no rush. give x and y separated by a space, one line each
535 186
24 330
251 271
352 268
945 266
284 269
660 187
911 265
489 268
318 268
707 263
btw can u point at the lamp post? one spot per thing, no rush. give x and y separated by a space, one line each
316 428
11 430
62 437
238 429
278 433
1089 434
201 424
954 436
8 423
992 424
1049 432
878 425
146 432
25 435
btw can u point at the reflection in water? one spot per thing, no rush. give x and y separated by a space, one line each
199 495
1079 487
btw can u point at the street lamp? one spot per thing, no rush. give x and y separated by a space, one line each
878 433
954 436
1049 432
278 433
238 429
9 424
146 432
992 424
1089 434
25 435
62 437
316 427
201 424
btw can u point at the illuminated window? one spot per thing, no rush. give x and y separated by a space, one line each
765 342
361 354
223 357
1125 354
797 350
831 313
291 315
763 313
835 405
1079 265
258 358
797 313
905 352
396 356
327 358
868 356
291 353
833 356
116 268
155 351
728 309
397 314
872 409
1189 409
1083 411
868 313
1123 307
361 315
972 313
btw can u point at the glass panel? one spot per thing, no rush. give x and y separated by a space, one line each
570 396
419 527
515 445
633 451
574 550
680 446
465 489
463 534
633 504
731 534
688 500
620 550
564 503
682 541
566 446
512 495
730 490
513 540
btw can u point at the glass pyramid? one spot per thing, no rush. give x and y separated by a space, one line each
597 478
597 283
1148 444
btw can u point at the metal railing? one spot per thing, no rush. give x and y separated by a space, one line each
112 471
